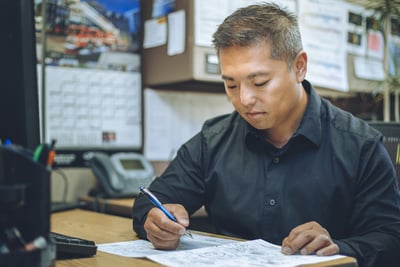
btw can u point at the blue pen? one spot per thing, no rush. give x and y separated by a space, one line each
159 205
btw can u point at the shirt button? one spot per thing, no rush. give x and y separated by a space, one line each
276 160
272 202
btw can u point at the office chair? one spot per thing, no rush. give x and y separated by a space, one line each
391 140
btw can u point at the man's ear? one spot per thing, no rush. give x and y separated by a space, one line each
300 65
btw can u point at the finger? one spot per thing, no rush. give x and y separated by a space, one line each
157 231
172 227
285 249
179 213
298 243
183 221
158 224
160 238
300 229
332 249
305 238
162 243
317 242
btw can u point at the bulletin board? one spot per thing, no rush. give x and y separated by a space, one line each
343 41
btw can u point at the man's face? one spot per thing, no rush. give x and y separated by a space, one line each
263 90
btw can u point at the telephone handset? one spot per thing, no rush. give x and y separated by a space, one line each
121 174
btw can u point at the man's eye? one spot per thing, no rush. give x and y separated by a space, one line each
231 86
261 84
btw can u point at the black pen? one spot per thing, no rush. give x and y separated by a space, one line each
159 205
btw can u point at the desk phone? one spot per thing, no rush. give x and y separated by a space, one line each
121 174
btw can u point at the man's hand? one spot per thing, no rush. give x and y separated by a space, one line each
309 238
161 231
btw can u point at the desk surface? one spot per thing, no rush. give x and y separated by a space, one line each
100 228
119 206
103 228
116 206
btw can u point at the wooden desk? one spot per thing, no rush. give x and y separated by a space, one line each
115 206
119 206
100 228
103 228
123 207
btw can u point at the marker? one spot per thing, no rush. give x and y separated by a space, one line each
51 154
38 152
159 205
38 243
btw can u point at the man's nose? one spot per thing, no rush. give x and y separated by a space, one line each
246 96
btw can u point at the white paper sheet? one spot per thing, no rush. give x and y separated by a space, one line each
323 26
210 13
249 253
176 33
174 117
143 248
369 68
155 32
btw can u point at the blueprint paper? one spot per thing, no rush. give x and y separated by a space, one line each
143 248
249 253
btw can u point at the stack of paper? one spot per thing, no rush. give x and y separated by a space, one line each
211 251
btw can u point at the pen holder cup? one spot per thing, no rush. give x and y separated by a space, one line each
25 207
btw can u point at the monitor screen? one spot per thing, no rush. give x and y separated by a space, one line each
19 106
91 80
132 164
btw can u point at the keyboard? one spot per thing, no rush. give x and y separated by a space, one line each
73 247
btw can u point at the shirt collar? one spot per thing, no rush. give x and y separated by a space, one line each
310 126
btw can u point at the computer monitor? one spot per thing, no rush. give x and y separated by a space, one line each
90 66
19 108
391 140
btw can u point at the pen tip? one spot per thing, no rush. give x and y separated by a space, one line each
189 233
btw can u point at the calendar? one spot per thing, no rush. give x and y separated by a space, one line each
92 108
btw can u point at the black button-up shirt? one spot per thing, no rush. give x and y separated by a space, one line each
334 170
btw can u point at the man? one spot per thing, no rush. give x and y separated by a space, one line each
286 166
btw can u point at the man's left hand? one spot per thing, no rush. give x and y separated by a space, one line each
309 238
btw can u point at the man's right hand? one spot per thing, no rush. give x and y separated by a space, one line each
161 231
